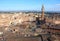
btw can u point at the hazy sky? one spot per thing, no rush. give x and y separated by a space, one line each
14 5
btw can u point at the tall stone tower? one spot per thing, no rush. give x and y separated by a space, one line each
42 15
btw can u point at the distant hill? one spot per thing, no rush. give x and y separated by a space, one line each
46 12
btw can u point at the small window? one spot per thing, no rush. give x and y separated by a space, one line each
15 18
13 29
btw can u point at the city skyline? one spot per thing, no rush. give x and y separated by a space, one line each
17 5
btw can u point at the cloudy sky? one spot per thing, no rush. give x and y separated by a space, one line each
17 5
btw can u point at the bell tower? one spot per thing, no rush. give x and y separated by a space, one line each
42 15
